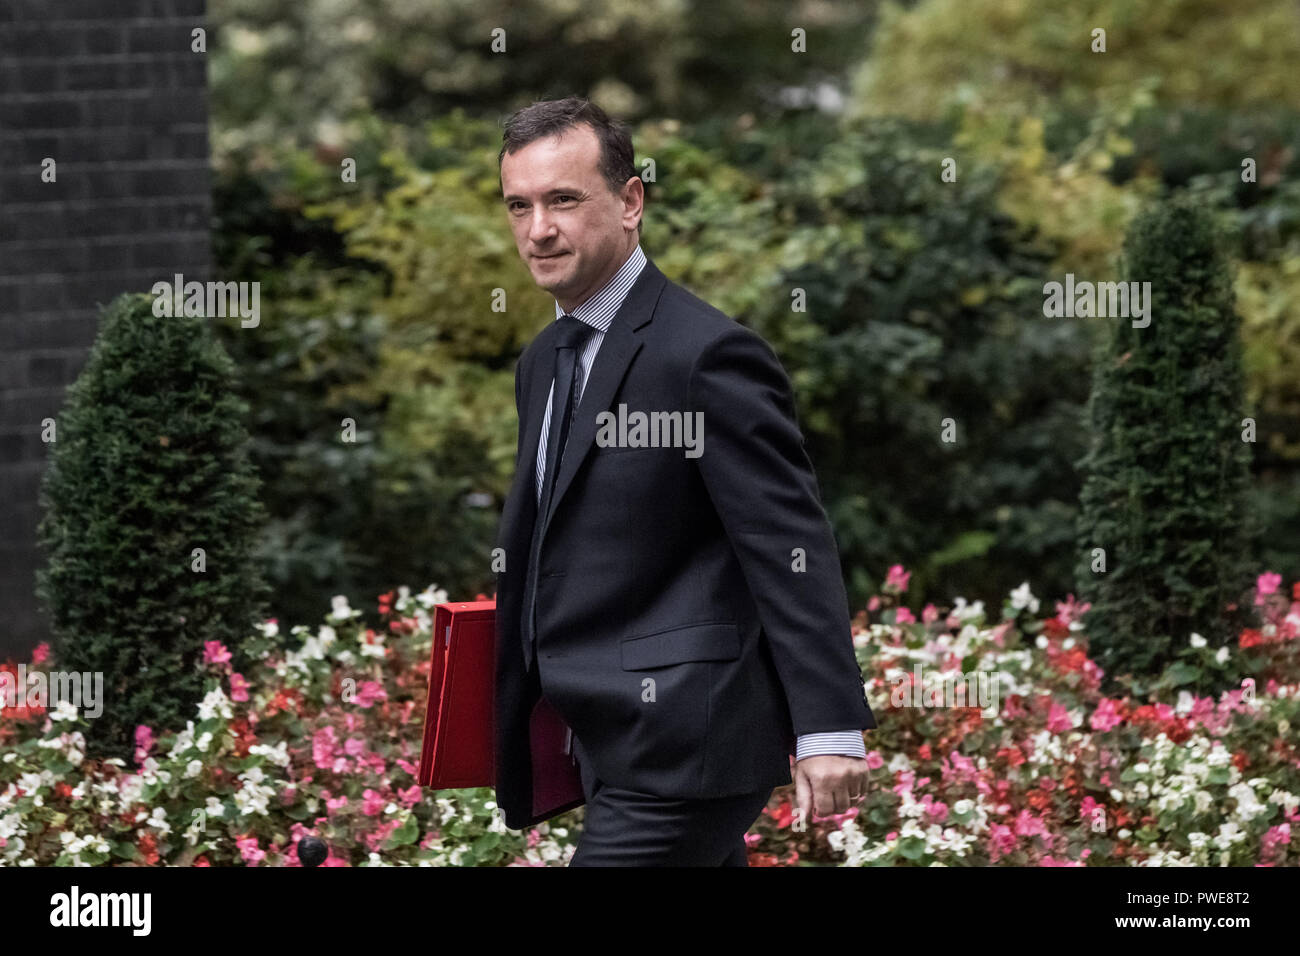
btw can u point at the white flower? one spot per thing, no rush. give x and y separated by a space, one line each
1197 640
1221 655
63 711
341 610
213 705
1022 598
193 768
278 755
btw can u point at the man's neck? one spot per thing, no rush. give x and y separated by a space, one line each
570 306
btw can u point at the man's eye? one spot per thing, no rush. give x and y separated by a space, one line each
563 198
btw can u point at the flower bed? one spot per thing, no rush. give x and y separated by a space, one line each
323 739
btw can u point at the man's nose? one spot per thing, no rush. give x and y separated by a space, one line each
540 226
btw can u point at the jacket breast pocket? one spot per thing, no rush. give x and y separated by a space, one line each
707 641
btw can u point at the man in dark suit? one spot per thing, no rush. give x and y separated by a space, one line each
670 582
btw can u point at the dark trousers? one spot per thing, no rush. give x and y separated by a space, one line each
624 828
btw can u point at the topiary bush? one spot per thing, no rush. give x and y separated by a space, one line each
1167 474
149 465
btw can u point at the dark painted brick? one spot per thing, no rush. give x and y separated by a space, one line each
19 523
22 482
71 329
20 447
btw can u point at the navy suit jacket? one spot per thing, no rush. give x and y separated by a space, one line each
691 613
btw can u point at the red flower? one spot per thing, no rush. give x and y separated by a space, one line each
1250 638
1240 760
782 815
148 847
1054 627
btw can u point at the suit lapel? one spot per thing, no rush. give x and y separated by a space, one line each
619 347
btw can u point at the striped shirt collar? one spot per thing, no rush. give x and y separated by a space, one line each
599 310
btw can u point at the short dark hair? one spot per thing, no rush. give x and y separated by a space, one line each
549 117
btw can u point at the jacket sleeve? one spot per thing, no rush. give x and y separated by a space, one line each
762 484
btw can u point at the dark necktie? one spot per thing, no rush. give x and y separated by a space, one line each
571 333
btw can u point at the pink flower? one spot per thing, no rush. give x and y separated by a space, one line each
250 851
1276 835
372 803
335 803
896 580
929 614
412 768
1266 584
1106 716
936 810
323 744
903 616
238 688
1029 825
1068 611
143 737
353 746
144 741
873 604
410 796
42 653
1001 841
1058 719
368 694
214 652
874 760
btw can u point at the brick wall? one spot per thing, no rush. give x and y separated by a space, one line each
112 92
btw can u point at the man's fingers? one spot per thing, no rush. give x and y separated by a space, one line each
803 794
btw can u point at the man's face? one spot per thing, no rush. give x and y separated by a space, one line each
569 228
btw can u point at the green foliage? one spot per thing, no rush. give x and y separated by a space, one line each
921 302
305 69
997 54
150 463
1164 493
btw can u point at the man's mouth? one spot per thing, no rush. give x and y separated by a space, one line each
554 256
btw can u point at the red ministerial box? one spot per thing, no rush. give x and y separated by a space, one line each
457 750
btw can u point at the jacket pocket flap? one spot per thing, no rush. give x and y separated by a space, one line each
716 641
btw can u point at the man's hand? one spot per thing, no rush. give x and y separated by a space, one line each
835 783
